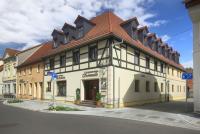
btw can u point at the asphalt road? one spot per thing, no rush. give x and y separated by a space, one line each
20 121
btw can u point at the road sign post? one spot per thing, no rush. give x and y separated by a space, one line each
54 76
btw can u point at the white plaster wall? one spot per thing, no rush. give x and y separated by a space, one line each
195 16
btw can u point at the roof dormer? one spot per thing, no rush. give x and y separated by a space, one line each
83 26
130 27
69 31
58 38
142 33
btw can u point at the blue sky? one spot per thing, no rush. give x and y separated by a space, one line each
21 28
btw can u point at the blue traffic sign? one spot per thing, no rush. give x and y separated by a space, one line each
53 75
187 76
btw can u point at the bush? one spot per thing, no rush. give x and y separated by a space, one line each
62 108
98 96
15 101
78 94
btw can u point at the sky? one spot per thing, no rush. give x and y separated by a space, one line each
25 23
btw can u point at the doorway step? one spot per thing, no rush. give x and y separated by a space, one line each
88 103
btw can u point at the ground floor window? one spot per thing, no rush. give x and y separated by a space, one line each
48 87
61 86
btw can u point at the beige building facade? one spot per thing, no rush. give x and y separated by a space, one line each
9 71
30 81
124 71
30 72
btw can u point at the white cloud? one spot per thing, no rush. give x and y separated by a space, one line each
188 64
29 21
165 37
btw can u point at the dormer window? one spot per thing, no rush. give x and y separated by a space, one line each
55 44
80 32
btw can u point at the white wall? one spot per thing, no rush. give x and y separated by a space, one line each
194 14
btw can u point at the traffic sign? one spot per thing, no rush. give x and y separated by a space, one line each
187 76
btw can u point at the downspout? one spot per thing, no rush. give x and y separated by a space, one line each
113 45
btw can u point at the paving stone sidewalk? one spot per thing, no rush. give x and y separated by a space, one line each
171 119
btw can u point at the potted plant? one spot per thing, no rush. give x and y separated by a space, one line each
78 96
98 99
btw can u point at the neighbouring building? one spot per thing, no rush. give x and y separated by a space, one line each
30 72
9 71
127 64
193 7
1 82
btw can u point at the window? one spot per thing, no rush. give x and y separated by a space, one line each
30 89
172 88
155 86
180 88
177 88
51 63
168 70
38 68
30 70
147 62
80 32
147 86
48 86
62 60
61 85
172 72
137 85
156 65
93 53
76 58
162 87
55 43
137 58
161 67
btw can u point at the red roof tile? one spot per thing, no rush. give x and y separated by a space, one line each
37 56
110 24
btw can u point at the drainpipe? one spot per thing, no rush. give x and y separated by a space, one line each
113 44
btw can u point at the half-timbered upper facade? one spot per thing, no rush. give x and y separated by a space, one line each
125 63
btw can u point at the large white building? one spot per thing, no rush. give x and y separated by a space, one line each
9 71
126 64
194 12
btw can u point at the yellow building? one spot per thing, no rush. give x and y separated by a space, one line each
30 71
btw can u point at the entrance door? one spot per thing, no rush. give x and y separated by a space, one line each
91 89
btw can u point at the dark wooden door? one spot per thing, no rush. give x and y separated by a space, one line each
91 89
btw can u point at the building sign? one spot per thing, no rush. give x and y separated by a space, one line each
61 77
103 83
90 74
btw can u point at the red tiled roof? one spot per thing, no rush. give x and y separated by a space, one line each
11 52
110 24
37 56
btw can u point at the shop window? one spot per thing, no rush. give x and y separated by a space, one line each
137 85
147 86
155 86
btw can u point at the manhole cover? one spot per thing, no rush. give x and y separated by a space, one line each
140 115
154 117
170 119
8 125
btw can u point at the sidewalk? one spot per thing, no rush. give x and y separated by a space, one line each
152 116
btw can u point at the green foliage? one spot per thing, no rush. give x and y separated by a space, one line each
15 101
62 108
98 96
78 94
